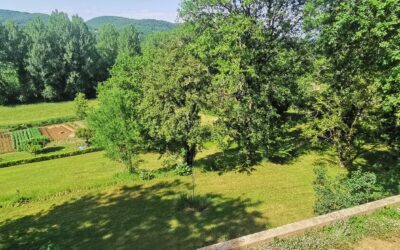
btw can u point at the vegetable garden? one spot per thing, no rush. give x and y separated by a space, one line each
23 139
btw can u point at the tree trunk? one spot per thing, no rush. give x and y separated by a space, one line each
190 154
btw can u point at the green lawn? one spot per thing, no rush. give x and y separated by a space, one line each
24 114
52 149
80 202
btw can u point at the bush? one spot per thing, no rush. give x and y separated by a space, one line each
81 106
183 170
85 134
344 191
189 203
146 175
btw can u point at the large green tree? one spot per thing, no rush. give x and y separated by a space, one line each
116 122
81 58
107 47
175 85
251 47
128 41
358 78
62 57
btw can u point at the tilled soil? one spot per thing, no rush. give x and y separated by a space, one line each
57 132
6 143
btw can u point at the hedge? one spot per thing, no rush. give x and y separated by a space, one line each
48 157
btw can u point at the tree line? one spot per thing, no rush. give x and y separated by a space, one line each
271 71
54 60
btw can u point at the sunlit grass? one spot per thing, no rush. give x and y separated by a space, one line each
65 191
30 113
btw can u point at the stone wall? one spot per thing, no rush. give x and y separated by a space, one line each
256 240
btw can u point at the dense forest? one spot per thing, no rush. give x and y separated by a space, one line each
55 58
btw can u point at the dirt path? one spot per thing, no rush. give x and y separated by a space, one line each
377 244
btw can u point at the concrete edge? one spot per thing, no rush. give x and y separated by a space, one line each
264 237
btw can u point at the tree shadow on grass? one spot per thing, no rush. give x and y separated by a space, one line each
222 162
137 217
51 150
385 165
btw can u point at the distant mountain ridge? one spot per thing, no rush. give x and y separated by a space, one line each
144 26
20 18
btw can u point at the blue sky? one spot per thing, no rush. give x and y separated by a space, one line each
138 9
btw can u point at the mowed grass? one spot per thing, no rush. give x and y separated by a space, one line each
79 203
48 178
25 114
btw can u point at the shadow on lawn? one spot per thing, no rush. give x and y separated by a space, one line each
223 162
385 165
51 150
136 217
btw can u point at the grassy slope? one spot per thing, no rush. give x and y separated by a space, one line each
86 206
10 115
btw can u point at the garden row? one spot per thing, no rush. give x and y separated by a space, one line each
30 140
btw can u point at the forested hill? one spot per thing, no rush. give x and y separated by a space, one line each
20 18
144 26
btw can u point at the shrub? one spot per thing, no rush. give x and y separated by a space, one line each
183 169
189 203
344 191
81 106
146 175
85 134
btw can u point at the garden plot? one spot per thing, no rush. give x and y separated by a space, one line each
21 139
6 145
58 132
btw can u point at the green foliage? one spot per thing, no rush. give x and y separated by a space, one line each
49 246
144 27
85 134
128 42
53 59
116 121
9 83
183 170
175 86
189 203
107 47
251 49
146 175
357 46
81 106
29 140
344 191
